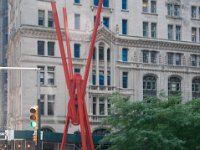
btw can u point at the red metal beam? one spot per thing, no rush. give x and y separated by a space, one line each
60 41
77 111
91 51
68 42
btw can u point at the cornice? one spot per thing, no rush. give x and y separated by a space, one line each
49 33
109 37
146 43
158 68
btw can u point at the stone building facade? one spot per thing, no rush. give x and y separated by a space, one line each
143 48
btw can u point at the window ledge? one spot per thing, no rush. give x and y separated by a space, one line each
53 86
48 117
150 63
174 65
147 13
104 8
45 0
77 4
125 10
195 19
48 56
174 17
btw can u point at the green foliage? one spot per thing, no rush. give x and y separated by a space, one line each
158 124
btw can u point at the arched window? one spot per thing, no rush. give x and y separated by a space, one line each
100 131
149 86
174 86
77 132
47 129
196 88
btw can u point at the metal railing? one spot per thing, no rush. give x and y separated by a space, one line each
97 118
110 89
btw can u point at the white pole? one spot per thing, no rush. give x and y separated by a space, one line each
18 68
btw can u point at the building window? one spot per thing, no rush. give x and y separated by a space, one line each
194 60
194 34
149 86
145 56
178 59
125 54
153 7
170 10
109 107
153 57
106 3
95 20
41 74
145 29
51 47
170 58
77 21
96 2
199 35
177 9
108 54
77 1
106 22
41 17
170 32
101 78
199 12
101 106
51 75
93 77
47 105
124 26
194 12
108 78
152 4
125 79
77 70
174 10
94 54
196 88
178 33
124 4
101 53
94 106
40 47
174 86
153 30
50 105
145 6
42 100
50 19
77 50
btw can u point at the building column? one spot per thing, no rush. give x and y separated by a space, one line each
186 87
106 106
105 66
149 57
97 65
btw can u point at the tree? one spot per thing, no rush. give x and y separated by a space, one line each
158 124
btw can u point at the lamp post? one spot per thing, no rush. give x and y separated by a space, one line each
38 97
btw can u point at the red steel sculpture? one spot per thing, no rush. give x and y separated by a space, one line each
77 111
